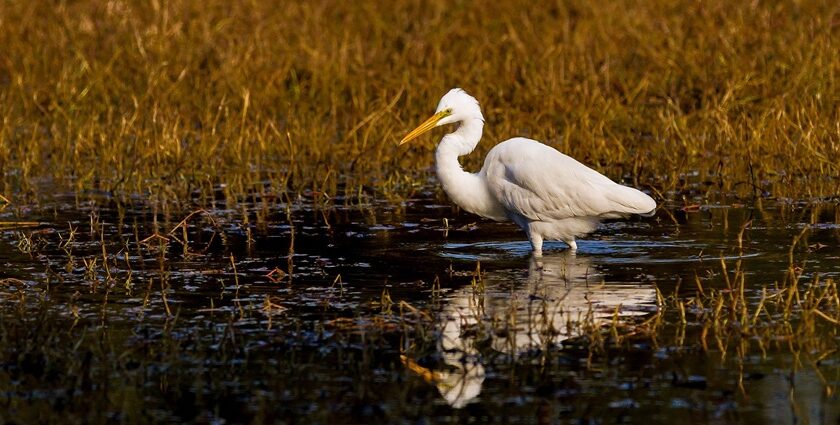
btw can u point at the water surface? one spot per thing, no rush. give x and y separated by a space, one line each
384 312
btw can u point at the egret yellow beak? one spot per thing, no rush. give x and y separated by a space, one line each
426 126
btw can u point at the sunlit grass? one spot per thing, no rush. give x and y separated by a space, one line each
167 98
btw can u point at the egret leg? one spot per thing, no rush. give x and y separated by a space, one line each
536 266
536 243
572 245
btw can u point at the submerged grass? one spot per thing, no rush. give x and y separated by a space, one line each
112 330
167 99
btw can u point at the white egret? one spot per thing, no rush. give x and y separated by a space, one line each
548 194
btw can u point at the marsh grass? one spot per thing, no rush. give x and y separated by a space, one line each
100 321
169 100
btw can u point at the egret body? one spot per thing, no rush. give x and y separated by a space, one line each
548 194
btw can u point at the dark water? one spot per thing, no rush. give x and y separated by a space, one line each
375 313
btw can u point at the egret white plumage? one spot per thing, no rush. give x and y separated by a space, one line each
548 194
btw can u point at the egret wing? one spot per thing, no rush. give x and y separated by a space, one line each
538 182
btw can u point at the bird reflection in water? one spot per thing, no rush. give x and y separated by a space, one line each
563 296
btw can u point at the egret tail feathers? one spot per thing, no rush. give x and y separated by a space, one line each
626 200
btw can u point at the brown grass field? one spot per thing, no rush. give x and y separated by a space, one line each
167 98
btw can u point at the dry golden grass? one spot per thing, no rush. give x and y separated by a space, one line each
162 98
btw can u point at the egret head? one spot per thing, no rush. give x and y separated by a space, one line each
454 106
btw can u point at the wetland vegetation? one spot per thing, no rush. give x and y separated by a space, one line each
204 214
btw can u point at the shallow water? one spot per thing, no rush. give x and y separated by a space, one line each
375 313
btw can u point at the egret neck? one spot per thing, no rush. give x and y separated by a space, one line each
467 190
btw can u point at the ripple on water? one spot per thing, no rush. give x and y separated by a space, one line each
608 250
